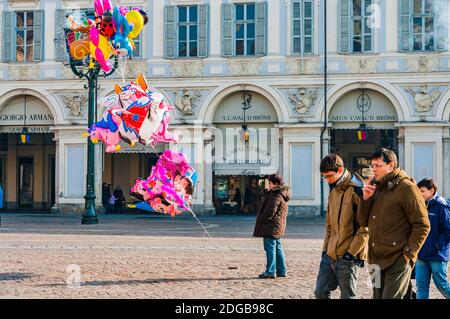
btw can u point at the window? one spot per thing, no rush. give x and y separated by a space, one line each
23 36
245 29
420 25
302 20
423 25
355 26
187 31
361 31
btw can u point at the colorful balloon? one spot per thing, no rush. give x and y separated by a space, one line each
100 50
136 21
120 41
170 186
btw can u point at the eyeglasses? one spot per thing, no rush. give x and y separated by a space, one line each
377 165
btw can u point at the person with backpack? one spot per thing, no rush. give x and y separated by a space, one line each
345 244
434 254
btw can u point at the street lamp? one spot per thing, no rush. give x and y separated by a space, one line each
24 134
91 74
246 104
363 103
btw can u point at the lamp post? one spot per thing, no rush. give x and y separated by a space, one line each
363 103
82 70
246 98
24 134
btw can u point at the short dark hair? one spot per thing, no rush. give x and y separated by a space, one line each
276 179
387 155
331 163
428 183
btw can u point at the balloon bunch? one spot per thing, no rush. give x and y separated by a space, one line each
170 185
132 114
112 33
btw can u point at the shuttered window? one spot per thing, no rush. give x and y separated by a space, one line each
23 36
355 26
302 27
186 31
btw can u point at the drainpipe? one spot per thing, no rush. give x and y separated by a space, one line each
325 123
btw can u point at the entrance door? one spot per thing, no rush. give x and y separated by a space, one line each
355 153
25 182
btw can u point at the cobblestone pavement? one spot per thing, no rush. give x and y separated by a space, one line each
137 257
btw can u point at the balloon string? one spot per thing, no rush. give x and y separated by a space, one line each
190 210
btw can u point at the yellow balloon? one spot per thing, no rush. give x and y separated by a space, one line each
103 45
135 18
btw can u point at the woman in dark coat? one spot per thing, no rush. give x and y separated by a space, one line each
271 224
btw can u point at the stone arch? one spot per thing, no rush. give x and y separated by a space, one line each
47 98
389 91
213 100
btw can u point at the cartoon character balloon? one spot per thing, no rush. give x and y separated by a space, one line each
133 114
170 186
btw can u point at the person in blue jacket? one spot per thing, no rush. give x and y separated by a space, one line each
434 254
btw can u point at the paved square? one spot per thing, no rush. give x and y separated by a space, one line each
137 257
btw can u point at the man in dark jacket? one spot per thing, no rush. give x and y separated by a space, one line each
433 257
397 217
271 224
345 245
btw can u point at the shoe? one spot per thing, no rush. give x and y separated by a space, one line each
266 276
281 275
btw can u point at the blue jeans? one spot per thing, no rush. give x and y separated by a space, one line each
424 271
275 256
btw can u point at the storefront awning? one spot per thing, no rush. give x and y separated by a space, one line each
139 148
236 171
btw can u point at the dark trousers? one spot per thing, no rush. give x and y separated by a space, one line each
336 273
392 282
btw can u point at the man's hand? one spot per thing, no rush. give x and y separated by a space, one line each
368 190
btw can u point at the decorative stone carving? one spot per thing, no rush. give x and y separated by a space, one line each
303 100
23 72
243 67
76 104
362 65
422 64
185 102
423 98
187 69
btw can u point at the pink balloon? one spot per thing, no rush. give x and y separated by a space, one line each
98 8
94 36
105 65
123 10
107 5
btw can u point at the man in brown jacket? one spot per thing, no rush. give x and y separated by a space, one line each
345 244
397 217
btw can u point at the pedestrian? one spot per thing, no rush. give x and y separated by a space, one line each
345 245
111 203
271 225
395 212
118 194
238 199
105 195
433 257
